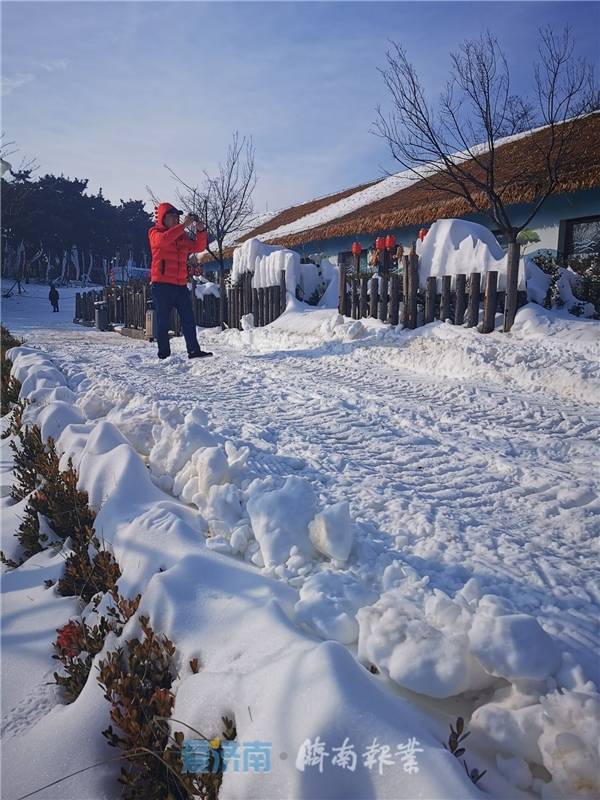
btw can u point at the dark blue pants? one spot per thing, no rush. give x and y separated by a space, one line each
167 296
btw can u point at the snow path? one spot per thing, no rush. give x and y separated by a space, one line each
459 477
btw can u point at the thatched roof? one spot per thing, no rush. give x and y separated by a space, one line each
519 166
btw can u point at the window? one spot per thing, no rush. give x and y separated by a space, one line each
580 237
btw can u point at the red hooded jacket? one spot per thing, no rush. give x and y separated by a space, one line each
170 248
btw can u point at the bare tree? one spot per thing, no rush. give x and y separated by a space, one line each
453 147
27 166
223 201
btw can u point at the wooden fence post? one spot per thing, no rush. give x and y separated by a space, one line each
276 301
355 287
405 291
512 280
261 307
383 298
222 298
394 298
249 292
461 300
445 300
282 292
363 310
342 290
374 296
255 307
430 292
474 297
489 303
413 285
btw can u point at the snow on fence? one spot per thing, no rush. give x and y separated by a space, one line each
395 296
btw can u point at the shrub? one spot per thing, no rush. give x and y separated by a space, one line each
32 461
137 683
10 387
30 537
457 736
86 576
64 505
587 288
16 421
88 569
7 340
77 643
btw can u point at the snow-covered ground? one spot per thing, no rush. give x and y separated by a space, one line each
426 501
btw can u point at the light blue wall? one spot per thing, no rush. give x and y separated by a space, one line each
546 223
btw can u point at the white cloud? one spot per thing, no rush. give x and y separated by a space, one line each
10 84
55 65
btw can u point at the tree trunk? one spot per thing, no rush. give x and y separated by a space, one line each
512 279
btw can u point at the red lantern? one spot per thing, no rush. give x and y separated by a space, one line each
422 233
380 243
356 248
390 242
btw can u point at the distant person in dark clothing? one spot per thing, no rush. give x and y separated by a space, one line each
53 296
170 247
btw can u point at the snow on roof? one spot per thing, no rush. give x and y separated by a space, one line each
377 200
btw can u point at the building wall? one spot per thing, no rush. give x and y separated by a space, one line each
546 223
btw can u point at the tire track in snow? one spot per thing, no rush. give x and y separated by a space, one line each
462 479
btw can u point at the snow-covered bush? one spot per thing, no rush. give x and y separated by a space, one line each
575 287
11 387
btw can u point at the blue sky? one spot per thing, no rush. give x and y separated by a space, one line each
113 91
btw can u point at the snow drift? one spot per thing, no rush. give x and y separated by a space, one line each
457 246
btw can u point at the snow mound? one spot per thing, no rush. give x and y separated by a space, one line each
440 646
457 246
513 646
331 531
328 605
280 520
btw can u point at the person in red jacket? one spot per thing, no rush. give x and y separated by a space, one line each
170 246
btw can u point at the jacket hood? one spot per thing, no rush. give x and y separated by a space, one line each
162 211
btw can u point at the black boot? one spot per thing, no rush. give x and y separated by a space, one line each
199 354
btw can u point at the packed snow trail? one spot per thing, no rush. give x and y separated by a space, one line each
466 456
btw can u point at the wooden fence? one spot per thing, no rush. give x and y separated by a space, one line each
265 304
395 297
127 305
